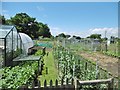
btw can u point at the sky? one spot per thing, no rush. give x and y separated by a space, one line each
73 18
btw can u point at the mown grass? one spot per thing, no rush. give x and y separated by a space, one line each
52 70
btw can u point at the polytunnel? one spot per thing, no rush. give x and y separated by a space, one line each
27 43
12 44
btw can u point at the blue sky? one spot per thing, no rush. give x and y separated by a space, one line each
80 18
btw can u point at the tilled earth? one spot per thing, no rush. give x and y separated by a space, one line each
107 62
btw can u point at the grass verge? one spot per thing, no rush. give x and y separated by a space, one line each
52 70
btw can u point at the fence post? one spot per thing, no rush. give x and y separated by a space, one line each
67 81
45 83
51 83
85 65
76 83
56 82
72 82
39 84
111 84
62 81
33 84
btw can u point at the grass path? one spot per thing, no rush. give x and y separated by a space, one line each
52 70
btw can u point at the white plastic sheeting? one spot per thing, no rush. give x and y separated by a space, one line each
27 42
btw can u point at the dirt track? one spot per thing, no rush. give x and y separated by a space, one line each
107 62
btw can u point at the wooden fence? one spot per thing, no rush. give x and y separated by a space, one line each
79 84
74 84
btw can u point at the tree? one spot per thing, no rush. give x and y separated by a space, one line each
26 24
2 19
95 36
112 39
44 30
62 35
78 37
67 36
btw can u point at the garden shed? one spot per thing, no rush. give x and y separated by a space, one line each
10 44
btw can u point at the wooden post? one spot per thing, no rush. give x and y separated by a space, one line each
67 81
51 83
56 82
45 83
111 84
39 84
86 66
33 84
72 81
76 83
62 81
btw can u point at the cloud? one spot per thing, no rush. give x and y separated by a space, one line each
4 11
7 16
45 16
56 30
40 8
109 31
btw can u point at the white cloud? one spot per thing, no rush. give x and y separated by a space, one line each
109 31
45 16
4 11
7 16
56 30
40 8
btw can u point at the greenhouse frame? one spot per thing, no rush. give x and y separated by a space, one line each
10 45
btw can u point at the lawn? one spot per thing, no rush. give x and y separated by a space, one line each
52 70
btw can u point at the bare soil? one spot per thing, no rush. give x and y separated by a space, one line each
107 62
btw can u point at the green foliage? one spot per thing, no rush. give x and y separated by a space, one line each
38 53
110 53
2 20
67 36
16 53
95 36
26 24
62 35
71 65
17 76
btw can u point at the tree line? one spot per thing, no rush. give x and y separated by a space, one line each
28 25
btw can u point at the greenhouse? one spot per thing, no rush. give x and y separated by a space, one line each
27 43
12 44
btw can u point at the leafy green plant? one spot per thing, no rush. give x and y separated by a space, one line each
71 65
14 77
39 52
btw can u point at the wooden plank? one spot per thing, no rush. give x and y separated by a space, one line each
103 81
